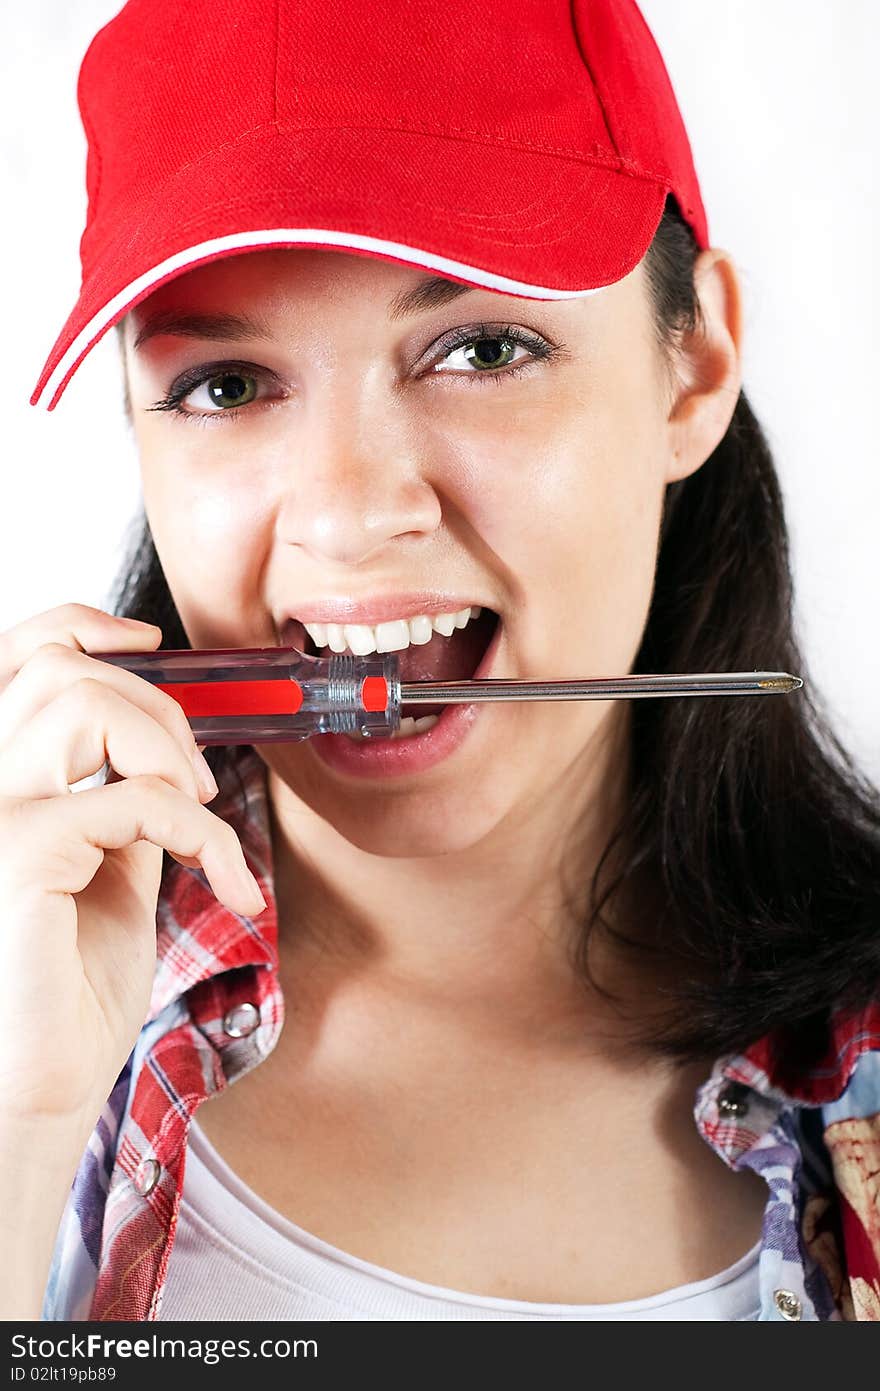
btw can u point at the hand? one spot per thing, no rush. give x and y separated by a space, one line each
80 872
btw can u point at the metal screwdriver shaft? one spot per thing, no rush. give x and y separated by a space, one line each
599 688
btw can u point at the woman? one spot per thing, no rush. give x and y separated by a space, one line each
579 1003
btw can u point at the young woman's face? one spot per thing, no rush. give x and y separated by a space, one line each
336 450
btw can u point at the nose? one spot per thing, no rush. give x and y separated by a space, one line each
354 483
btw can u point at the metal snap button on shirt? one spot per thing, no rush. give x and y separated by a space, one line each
732 1100
241 1021
788 1305
147 1176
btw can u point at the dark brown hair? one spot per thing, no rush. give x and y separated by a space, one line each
748 816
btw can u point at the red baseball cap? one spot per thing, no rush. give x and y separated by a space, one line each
526 148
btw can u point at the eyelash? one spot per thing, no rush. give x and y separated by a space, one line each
189 381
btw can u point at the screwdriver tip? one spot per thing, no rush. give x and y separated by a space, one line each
782 684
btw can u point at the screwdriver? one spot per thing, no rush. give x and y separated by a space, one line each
276 695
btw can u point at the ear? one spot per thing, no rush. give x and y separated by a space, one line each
708 367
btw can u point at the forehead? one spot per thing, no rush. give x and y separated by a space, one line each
276 277
240 296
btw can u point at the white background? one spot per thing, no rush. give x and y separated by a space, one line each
779 97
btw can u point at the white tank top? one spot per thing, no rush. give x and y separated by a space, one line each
234 1257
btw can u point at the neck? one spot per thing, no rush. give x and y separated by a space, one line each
488 931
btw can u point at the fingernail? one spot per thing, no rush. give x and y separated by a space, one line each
205 778
138 623
256 886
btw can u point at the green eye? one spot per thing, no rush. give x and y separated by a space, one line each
489 352
231 389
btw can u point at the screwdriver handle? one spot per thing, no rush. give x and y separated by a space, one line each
272 695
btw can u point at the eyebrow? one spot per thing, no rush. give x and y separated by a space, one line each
430 293
232 327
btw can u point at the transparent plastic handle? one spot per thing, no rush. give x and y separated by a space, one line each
272 695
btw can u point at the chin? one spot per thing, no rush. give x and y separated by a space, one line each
398 843
403 823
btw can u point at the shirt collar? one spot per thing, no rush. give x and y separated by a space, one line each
775 1067
199 938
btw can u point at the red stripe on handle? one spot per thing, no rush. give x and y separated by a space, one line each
236 697
374 693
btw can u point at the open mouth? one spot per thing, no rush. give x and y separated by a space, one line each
445 655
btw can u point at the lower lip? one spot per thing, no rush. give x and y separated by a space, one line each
391 758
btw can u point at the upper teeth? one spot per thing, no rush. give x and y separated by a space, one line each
362 638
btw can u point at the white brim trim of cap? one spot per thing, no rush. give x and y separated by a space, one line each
99 322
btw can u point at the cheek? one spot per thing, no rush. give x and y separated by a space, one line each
206 542
568 498
603 557
568 502
188 517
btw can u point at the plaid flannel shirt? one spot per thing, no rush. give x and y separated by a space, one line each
217 1011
